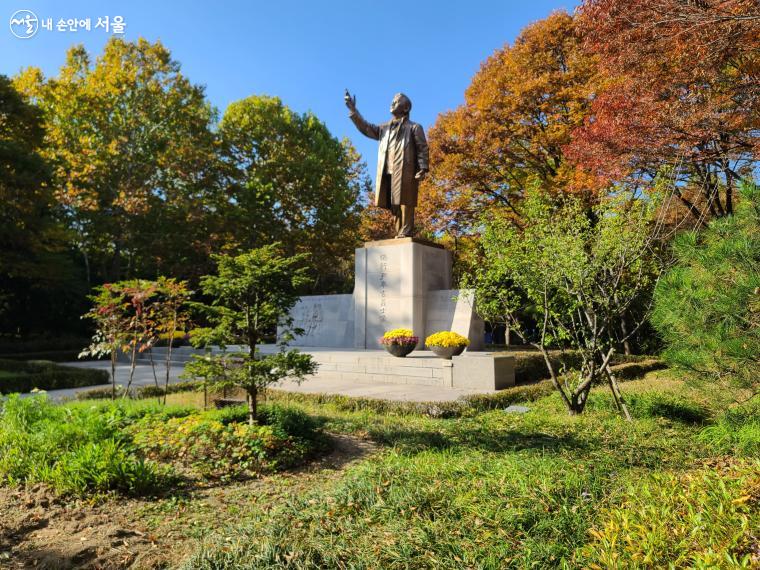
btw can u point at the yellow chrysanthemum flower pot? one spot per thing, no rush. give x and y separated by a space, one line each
446 344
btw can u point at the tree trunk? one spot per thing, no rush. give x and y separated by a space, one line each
113 375
169 356
86 267
578 402
252 411
617 394
626 342
153 368
115 273
132 365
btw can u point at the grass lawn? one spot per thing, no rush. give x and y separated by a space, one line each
487 490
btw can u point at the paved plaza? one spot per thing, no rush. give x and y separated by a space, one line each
399 392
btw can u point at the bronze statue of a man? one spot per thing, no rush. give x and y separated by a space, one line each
402 160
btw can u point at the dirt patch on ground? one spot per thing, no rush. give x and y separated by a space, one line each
40 530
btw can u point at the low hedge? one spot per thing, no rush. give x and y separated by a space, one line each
10 344
58 349
51 355
531 367
19 376
350 404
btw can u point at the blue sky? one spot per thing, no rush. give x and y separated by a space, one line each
305 52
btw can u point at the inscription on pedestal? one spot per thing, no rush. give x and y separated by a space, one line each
383 296
308 317
326 320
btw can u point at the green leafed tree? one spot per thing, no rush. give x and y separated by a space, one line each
707 308
580 272
35 274
252 294
294 183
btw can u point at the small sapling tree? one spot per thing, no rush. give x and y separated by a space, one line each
171 315
252 294
109 317
579 270
140 319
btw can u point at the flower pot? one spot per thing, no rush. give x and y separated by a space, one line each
400 350
447 351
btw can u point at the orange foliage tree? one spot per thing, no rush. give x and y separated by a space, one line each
519 113
683 98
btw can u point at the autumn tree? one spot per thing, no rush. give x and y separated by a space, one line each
519 112
110 323
171 315
294 183
682 98
133 155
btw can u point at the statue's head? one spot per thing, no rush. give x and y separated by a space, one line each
401 105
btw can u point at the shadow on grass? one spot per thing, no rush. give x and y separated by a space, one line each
415 441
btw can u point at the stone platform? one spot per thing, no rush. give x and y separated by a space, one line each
475 371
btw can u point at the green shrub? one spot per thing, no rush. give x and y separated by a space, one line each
290 422
139 393
530 366
100 393
51 355
736 431
157 392
39 345
504 398
632 369
17 376
181 338
702 519
377 405
216 444
74 449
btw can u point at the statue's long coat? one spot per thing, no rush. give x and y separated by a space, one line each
403 186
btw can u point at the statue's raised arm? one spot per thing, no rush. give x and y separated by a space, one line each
350 101
365 127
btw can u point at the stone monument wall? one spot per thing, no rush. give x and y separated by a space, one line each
399 283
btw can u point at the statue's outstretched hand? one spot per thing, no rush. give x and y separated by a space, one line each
350 101
421 175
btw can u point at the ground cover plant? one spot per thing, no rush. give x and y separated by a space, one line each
496 490
140 447
483 489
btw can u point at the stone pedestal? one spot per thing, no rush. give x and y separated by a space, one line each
394 278
400 283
